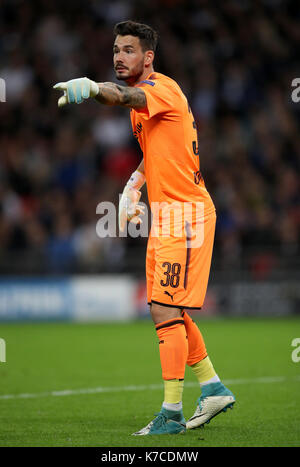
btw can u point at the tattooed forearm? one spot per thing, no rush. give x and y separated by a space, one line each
114 94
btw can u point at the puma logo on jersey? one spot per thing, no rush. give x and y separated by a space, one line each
170 295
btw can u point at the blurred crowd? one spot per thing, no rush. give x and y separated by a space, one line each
234 60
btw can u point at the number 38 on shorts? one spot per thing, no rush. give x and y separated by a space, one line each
172 275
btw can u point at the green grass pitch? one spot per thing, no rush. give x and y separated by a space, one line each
122 361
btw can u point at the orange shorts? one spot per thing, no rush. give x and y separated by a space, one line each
177 268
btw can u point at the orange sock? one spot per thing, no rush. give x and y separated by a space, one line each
173 348
196 344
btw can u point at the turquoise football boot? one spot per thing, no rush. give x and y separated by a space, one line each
167 422
215 398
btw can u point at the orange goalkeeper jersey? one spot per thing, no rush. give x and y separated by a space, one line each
167 135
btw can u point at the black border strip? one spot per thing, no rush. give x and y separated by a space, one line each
188 253
169 323
181 307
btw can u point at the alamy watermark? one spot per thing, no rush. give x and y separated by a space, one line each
296 92
176 220
296 351
2 90
2 350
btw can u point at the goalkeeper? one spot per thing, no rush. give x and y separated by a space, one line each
177 270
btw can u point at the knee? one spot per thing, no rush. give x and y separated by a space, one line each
160 313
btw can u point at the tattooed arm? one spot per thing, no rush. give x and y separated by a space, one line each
79 89
114 94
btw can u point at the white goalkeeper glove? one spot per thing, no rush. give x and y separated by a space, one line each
129 209
76 90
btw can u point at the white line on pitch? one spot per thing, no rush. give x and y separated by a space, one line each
148 387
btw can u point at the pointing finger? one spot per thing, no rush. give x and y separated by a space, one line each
61 86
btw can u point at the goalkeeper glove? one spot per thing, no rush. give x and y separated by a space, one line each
129 209
76 90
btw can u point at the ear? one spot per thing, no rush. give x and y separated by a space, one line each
149 57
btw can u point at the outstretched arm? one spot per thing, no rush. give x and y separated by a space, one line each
76 90
114 94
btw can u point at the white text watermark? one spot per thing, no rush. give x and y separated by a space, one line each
2 350
176 220
296 92
2 90
296 351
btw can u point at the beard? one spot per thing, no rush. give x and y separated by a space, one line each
131 76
